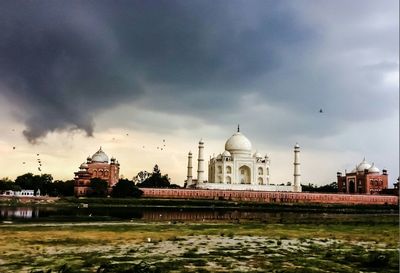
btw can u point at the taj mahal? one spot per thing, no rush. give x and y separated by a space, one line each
238 168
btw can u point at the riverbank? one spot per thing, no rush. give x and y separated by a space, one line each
344 244
196 203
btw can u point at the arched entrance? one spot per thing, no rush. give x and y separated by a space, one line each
351 186
244 175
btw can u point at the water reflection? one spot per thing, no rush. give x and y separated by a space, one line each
19 212
74 214
154 214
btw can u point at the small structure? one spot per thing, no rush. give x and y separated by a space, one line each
20 193
363 179
97 166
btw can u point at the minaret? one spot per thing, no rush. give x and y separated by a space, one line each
297 178
189 180
200 166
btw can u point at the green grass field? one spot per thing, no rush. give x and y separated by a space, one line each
367 243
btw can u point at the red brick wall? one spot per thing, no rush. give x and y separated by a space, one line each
271 197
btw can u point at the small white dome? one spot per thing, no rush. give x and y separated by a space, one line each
373 169
238 143
226 153
257 155
363 165
100 157
83 166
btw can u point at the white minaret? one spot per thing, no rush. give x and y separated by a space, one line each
200 166
189 180
297 178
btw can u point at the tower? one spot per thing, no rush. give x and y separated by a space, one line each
189 180
200 166
297 177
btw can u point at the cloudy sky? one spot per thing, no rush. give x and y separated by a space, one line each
126 75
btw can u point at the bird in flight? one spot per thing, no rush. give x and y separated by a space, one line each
321 111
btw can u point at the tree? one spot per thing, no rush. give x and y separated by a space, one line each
156 180
62 188
126 188
98 187
141 176
25 181
174 186
330 188
44 182
29 181
156 171
6 184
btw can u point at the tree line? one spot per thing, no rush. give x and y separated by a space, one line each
123 188
329 188
43 183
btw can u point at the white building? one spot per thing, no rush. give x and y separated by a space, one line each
20 193
238 168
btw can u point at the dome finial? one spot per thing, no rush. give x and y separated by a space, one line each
238 128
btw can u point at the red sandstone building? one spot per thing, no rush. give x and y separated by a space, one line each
364 179
97 166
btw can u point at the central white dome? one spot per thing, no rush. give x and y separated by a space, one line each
238 143
100 157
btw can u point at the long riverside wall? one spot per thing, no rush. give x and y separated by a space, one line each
271 197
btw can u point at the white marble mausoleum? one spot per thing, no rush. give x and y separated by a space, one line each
238 168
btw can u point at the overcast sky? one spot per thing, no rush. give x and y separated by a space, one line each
126 75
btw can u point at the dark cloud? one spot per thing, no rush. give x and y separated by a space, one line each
63 62
57 68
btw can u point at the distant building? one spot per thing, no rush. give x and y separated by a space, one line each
20 193
363 179
97 166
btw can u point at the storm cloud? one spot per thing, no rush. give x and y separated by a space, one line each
61 63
